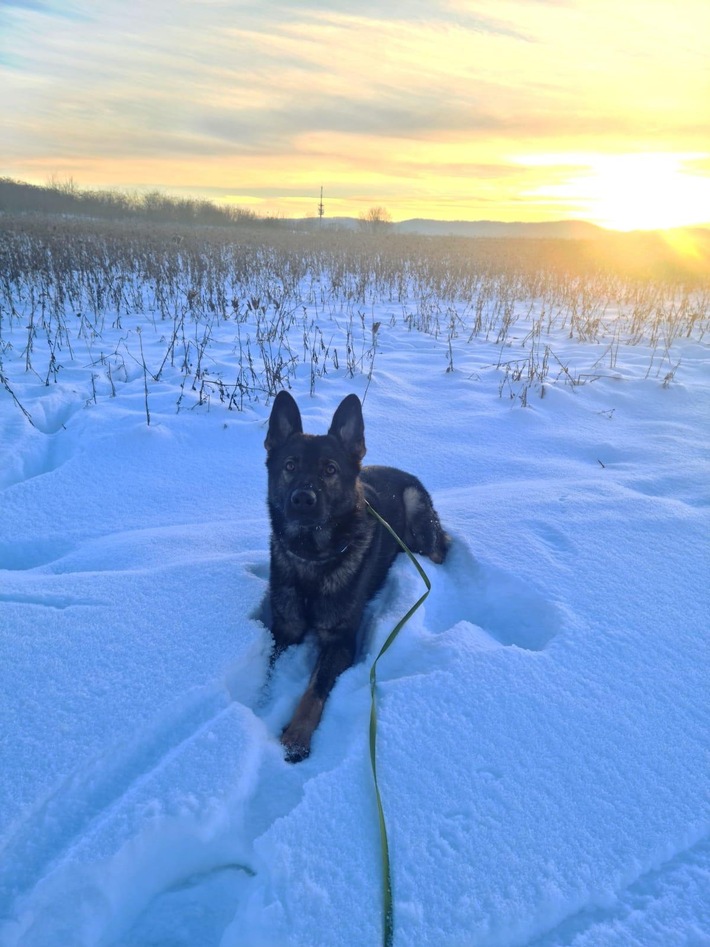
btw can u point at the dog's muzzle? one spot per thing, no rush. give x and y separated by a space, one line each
303 501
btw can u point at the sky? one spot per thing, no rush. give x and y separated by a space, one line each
493 109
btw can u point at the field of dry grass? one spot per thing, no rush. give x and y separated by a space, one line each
81 293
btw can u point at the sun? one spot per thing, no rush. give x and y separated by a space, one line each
645 191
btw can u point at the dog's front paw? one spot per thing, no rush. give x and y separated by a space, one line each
296 744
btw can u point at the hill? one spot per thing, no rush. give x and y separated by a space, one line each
568 229
428 227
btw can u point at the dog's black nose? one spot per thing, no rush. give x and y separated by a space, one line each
303 500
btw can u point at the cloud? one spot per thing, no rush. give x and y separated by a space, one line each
37 6
225 85
68 10
400 11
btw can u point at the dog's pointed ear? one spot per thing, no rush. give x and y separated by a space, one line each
349 427
285 420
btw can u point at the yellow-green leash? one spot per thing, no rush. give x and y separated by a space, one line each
388 908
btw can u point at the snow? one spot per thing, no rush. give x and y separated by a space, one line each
543 718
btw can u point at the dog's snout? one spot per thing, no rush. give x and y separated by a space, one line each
303 500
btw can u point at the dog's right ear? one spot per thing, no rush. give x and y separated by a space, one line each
285 420
349 427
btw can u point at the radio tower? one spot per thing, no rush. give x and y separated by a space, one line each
321 209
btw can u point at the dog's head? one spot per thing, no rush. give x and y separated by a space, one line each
313 479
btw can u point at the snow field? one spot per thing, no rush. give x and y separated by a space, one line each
543 718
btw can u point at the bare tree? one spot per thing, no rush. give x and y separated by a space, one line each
376 219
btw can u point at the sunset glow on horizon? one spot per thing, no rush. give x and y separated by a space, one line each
515 110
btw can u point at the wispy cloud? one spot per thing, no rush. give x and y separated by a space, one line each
36 6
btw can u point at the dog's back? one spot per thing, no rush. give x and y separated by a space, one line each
401 499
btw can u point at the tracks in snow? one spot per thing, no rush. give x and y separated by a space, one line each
199 782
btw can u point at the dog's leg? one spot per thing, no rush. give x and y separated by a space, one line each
288 619
334 658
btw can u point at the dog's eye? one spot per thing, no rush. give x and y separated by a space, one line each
330 470
290 466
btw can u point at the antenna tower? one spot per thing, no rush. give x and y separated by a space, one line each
321 209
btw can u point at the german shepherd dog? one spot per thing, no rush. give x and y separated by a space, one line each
328 554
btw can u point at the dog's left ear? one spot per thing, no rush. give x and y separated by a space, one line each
349 427
285 420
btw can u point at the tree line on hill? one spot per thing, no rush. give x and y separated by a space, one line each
65 198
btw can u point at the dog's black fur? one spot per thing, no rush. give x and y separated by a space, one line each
328 554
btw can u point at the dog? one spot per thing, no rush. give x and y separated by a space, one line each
329 555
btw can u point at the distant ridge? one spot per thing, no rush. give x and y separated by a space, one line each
67 199
569 229
560 229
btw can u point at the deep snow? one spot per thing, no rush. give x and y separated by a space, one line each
543 718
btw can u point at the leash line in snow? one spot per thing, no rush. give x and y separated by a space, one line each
388 906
